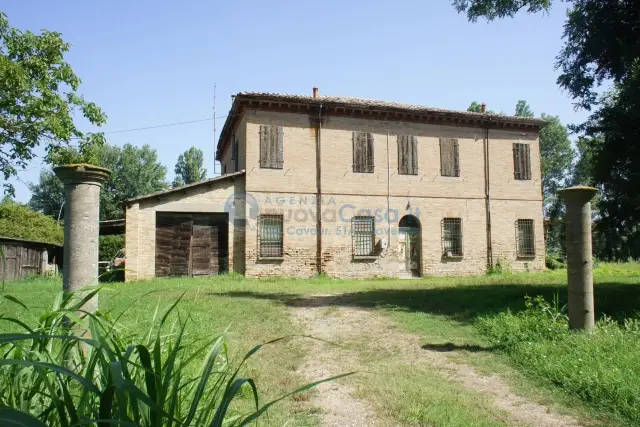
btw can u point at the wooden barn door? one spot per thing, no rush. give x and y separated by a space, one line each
190 244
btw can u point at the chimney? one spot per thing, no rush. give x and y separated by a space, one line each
315 92
483 108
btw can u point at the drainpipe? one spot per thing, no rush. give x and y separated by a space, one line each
388 192
487 198
318 188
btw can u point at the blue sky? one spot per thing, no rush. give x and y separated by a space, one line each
149 63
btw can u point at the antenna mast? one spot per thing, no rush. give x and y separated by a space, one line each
214 126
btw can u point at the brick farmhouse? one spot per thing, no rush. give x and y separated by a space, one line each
350 188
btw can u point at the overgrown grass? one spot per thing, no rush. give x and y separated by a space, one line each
444 311
72 368
602 367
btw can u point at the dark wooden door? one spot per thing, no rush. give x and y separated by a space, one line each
190 244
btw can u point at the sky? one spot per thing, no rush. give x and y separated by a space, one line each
150 63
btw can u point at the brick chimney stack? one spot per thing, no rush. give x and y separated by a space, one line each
315 92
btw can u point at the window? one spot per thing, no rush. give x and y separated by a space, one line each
452 237
363 235
521 161
407 155
363 152
271 147
270 236
449 157
526 238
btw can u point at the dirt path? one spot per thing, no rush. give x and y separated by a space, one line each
345 325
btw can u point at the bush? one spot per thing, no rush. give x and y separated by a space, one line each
20 222
53 375
602 368
554 262
110 246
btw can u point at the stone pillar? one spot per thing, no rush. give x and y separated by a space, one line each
82 184
579 256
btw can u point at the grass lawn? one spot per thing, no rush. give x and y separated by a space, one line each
448 314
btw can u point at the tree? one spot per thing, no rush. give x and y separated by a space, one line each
134 172
601 46
38 100
189 168
523 109
47 196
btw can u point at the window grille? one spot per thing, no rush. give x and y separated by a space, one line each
452 237
363 152
449 157
407 155
363 235
526 237
521 161
270 235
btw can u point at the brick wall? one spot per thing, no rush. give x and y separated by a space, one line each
431 196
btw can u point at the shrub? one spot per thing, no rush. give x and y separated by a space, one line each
18 221
602 368
554 262
110 246
55 375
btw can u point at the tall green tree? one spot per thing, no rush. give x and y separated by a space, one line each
38 100
601 46
135 171
47 196
190 167
523 109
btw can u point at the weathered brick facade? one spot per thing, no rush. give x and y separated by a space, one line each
315 136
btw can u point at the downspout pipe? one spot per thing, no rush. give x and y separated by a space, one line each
487 198
319 189
388 191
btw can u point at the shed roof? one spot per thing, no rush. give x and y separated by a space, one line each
37 242
185 187
363 104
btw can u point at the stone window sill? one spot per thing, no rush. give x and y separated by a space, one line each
370 257
271 258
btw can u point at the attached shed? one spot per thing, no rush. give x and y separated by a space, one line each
193 230
28 257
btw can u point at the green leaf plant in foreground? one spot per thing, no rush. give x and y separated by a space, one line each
78 368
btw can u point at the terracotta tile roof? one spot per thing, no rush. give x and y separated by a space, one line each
371 103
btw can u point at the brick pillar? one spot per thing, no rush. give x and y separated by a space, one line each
82 184
579 256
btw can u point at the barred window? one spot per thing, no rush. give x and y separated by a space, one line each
271 147
362 152
452 237
407 155
526 238
363 235
270 235
522 161
449 157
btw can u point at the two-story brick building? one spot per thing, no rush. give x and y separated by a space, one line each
351 188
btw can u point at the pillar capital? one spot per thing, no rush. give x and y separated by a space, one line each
81 173
578 193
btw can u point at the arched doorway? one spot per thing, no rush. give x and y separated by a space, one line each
409 245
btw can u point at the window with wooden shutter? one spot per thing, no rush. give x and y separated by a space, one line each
407 155
363 152
270 236
236 156
363 234
521 161
271 147
526 238
452 238
449 157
